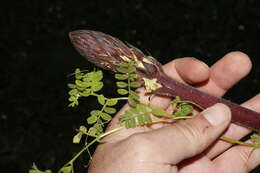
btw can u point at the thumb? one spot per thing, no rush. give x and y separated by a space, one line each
190 137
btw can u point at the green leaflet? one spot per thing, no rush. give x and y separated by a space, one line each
93 76
66 169
124 64
78 74
158 111
72 98
110 110
78 136
72 86
122 69
34 169
111 102
121 84
96 86
184 110
106 116
98 75
95 113
85 93
135 84
181 107
255 137
132 76
147 118
121 76
134 95
131 123
101 99
76 139
73 92
122 91
132 102
92 119
96 130
81 84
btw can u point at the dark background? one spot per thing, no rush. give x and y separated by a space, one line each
36 57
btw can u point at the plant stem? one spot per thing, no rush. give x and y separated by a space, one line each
234 141
111 131
91 143
81 151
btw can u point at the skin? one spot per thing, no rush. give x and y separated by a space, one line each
189 145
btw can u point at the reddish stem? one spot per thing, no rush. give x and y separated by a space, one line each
240 115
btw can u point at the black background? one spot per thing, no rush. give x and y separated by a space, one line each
36 57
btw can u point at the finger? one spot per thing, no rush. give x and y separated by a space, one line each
191 70
234 131
188 138
200 164
226 72
177 69
244 158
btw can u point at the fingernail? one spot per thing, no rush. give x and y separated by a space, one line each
217 114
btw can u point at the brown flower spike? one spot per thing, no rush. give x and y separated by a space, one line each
108 52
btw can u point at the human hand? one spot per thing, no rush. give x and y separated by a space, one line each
189 145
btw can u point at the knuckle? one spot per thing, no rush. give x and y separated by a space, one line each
140 141
141 145
193 135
